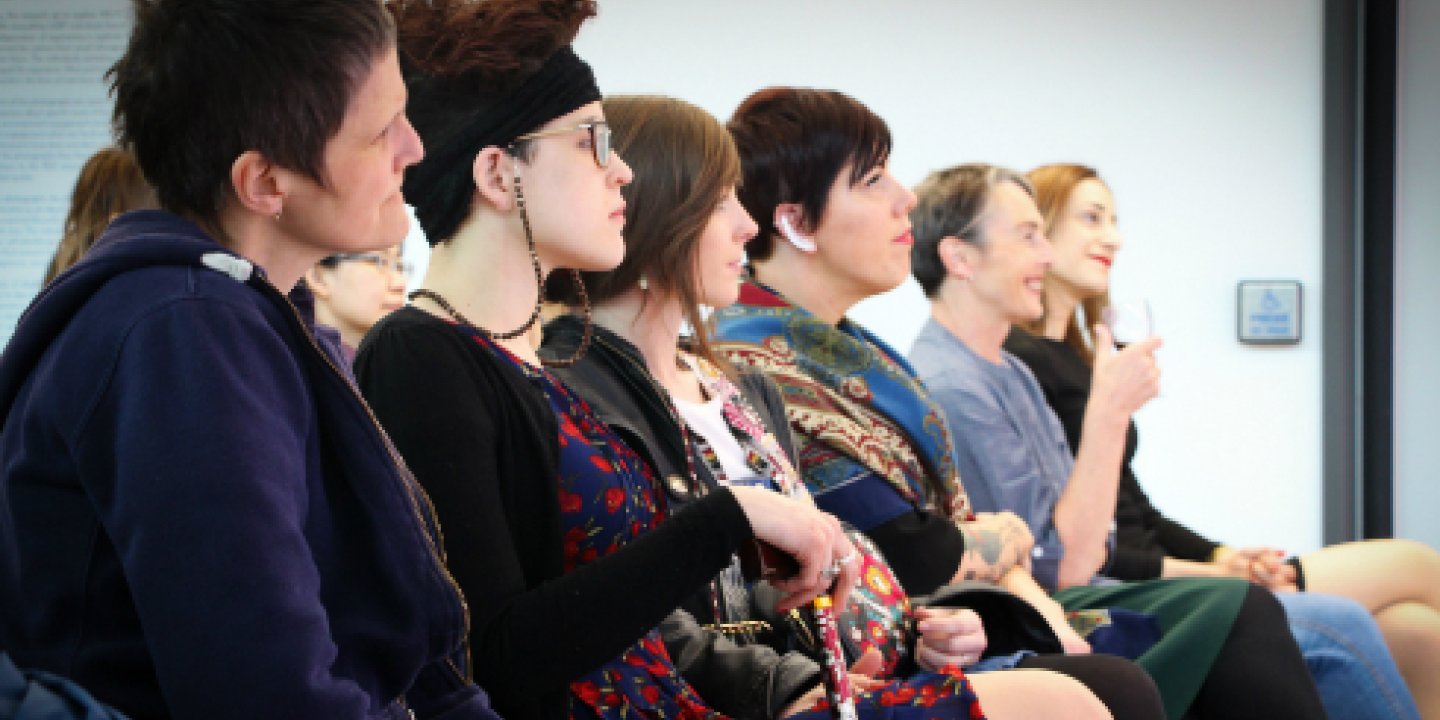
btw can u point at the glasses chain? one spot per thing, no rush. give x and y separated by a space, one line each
539 294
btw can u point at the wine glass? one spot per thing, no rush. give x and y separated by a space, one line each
1129 322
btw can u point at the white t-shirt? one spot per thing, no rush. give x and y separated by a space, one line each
706 419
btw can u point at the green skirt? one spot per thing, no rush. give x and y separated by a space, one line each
1195 615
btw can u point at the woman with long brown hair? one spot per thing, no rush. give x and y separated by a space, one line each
110 183
1397 581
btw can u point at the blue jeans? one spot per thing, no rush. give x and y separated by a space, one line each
1347 656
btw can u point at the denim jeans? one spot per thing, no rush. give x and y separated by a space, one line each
1347 656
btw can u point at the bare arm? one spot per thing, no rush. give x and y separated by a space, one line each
1123 382
1175 567
1023 585
1258 565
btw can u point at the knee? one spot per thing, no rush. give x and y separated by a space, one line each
1128 691
1261 607
1067 692
1035 693
1124 673
1416 557
1325 610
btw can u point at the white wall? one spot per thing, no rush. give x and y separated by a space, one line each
1203 116
1417 263
54 114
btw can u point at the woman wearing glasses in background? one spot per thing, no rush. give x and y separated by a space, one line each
353 291
558 534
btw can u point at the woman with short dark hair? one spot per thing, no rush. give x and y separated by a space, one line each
200 517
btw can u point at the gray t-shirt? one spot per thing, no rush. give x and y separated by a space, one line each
1009 444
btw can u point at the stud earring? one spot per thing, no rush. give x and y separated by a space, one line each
644 283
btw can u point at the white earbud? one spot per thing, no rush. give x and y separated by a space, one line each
801 243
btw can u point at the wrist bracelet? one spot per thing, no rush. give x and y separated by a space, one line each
1294 561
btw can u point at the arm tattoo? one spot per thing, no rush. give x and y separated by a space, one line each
990 551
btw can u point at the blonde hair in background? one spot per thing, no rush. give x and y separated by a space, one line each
109 184
1053 185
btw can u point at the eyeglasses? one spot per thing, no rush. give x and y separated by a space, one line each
599 139
381 262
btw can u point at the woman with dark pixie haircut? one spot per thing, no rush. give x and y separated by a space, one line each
556 530
199 517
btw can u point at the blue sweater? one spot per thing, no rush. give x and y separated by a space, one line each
1009 445
199 517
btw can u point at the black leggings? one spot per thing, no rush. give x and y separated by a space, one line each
1259 672
1121 685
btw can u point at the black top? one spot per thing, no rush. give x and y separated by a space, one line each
924 548
1144 537
484 443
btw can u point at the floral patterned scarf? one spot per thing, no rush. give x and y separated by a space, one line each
855 404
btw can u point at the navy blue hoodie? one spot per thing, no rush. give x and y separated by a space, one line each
199 517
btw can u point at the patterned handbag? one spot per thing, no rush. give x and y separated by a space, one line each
877 615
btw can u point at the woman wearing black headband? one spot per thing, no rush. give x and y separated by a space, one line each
553 526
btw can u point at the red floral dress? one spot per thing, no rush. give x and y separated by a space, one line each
608 498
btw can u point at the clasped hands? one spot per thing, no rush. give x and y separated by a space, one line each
1261 565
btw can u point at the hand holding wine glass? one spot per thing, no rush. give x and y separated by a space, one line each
1125 373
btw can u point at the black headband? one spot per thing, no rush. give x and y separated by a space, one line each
455 126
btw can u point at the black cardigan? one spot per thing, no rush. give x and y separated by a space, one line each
742 681
483 441
1144 537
